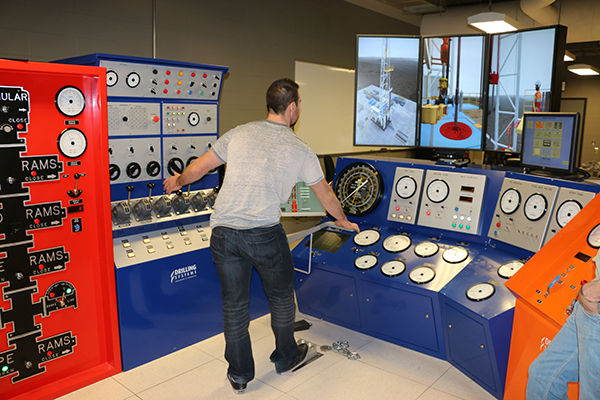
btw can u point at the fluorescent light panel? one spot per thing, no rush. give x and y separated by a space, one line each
584 69
569 56
491 22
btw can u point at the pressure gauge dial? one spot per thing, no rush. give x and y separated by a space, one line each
426 249
567 211
194 119
72 143
396 243
481 291
508 269
536 206
406 187
60 295
437 190
111 78
366 262
367 237
422 274
70 101
455 254
393 268
510 201
133 79
359 187
594 237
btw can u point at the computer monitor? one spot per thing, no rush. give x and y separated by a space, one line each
452 100
387 87
551 142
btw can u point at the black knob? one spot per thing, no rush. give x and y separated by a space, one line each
153 168
129 188
150 185
133 170
175 165
114 172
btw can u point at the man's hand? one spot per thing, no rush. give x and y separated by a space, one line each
170 184
590 297
348 225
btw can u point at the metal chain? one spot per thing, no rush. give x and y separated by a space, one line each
342 348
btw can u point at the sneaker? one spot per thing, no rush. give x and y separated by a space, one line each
238 388
302 353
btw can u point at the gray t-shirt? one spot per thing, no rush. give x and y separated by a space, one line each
264 161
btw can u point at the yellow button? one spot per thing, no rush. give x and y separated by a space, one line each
130 255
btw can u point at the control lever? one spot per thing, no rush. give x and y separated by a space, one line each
75 192
150 186
129 189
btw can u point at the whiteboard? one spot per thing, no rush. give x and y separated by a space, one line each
326 121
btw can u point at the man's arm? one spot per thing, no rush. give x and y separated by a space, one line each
196 170
330 202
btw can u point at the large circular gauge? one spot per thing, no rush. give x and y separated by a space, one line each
406 187
365 262
133 79
72 143
426 249
536 206
567 211
359 187
393 268
367 237
111 78
396 243
422 274
455 254
437 190
510 201
70 101
481 291
594 237
193 118
508 269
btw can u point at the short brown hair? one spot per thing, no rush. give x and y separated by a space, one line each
281 94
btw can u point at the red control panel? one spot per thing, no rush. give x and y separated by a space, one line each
58 314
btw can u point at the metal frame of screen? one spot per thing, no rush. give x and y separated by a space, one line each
453 121
515 91
387 90
549 134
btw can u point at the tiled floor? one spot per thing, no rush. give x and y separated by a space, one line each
384 371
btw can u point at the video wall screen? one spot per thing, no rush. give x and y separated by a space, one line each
387 91
522 65
452 92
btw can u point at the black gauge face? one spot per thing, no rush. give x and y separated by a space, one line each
60 295
70 101
510 201
536 206
359 187
594 237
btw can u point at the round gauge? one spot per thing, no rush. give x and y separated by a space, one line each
422 274
60 295
393 268
365 262
367 237
437 190
359 187
508 269
193 118
567 211
406 187
111 78
594 237
133 79
396 243
455 254
70 101
426 249
72 143
535 206
481 291
510 201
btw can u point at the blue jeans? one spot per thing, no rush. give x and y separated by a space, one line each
235 252
572 356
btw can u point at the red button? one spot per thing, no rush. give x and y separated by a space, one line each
36 221
205 75
166 81
397 208
178 91
498 224
193 74
19 126
33 173
428 213
166 91
41 266
156 119
168 72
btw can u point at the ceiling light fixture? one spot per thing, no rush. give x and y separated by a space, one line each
583 69
569 56
492 22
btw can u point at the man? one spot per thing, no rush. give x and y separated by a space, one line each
265 159
574 353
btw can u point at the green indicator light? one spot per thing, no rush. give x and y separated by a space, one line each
69 290
454 224
5 368
468 227
460 226
202 93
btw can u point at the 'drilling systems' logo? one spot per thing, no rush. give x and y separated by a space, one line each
181 274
